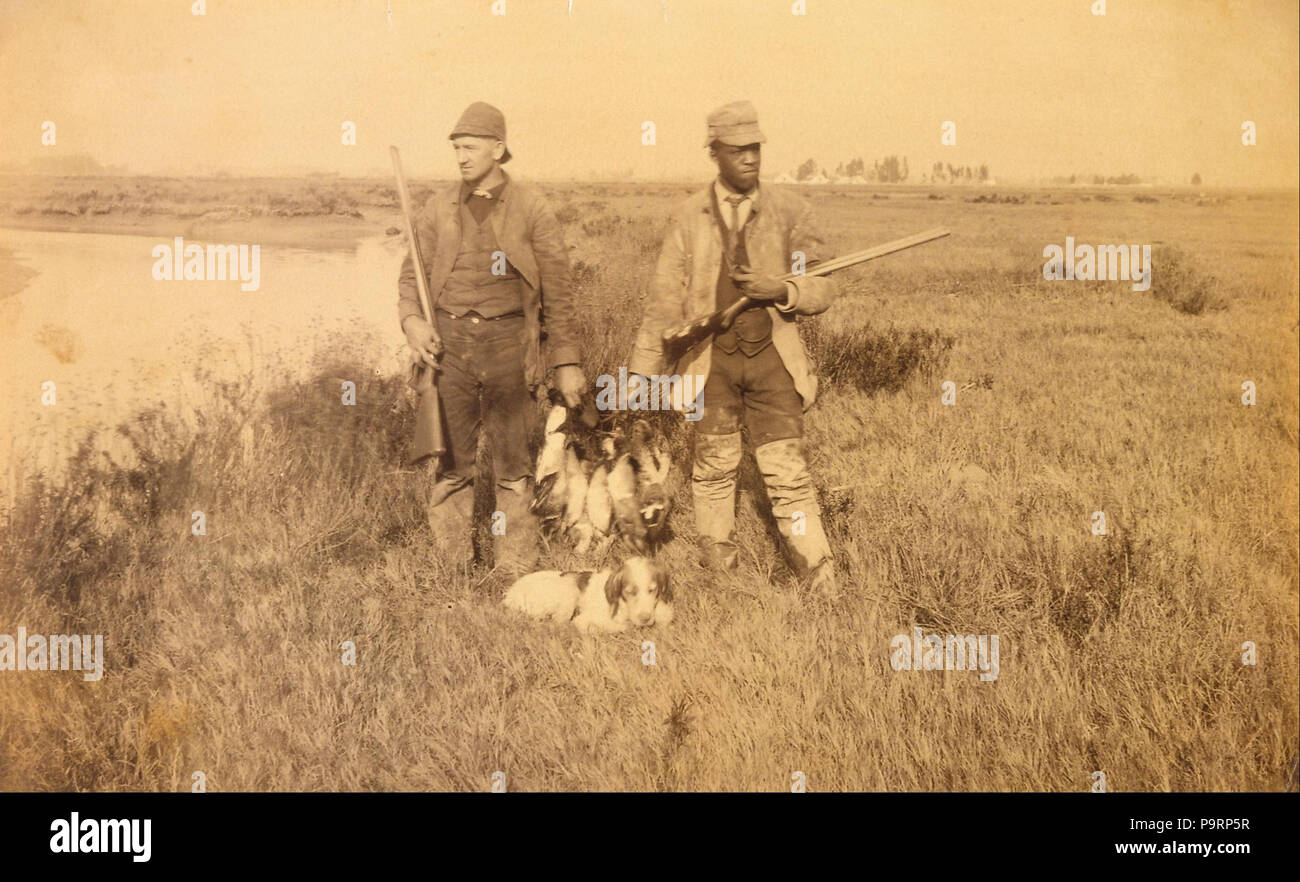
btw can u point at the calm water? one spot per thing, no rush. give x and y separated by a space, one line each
113 339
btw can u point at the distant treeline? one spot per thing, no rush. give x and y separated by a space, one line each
891 169
1102 180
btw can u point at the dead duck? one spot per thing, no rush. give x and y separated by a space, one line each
594 523
652 470
550 482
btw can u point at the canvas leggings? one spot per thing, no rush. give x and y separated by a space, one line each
756 393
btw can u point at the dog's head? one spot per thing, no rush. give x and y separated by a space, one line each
641 587
654 508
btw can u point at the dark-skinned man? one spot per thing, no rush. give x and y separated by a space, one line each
731 238
498 271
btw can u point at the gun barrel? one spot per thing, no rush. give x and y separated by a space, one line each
429 440
854 258
417 259
677 339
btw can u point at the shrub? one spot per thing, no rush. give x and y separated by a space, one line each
1178 281
871 360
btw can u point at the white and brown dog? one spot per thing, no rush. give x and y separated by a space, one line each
638 593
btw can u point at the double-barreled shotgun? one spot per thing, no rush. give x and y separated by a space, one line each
681 338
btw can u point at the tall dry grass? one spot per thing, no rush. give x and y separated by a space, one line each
1119 653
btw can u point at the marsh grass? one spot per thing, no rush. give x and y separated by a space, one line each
1120 652
1180 281
874 360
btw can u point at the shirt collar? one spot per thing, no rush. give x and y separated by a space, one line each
466 190
722 191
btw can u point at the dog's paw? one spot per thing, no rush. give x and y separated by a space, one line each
663 615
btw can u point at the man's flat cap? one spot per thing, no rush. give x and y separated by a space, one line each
735 124
484 121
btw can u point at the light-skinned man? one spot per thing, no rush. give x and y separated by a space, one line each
498 271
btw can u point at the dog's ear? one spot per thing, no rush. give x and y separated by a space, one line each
663 585
614 589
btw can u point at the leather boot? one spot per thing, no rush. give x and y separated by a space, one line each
794 506
515 535
713 485
451 506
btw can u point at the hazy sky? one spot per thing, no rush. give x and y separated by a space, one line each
1035 87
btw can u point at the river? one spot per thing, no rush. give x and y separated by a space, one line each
112 339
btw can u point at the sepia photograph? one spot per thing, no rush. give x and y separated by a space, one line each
645 396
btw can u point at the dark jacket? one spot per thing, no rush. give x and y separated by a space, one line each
527 231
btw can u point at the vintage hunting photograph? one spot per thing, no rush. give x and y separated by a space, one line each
649 395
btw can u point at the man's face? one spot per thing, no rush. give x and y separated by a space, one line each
476 156
738 166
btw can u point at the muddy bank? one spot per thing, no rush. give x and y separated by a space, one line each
307 212
14 274
302 232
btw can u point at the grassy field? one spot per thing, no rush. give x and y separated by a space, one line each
1120 653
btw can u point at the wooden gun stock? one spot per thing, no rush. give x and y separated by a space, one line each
429 439
676 341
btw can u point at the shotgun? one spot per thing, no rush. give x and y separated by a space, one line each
424 379
676 341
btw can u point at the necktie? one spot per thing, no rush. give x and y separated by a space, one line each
734 201
482 194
